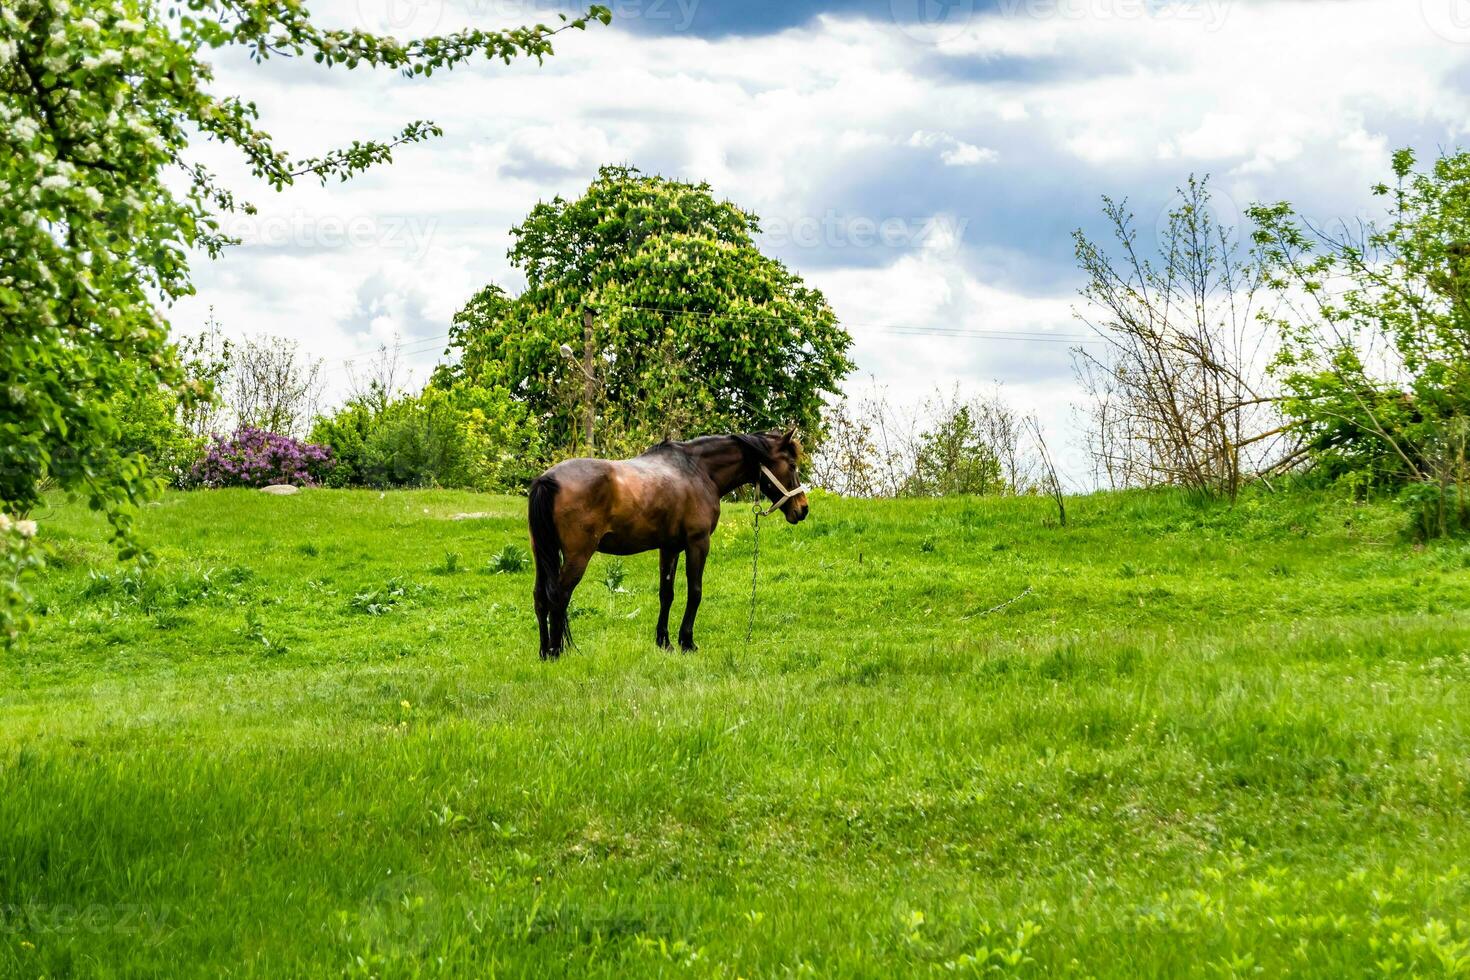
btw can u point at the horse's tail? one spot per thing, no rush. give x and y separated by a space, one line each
546 546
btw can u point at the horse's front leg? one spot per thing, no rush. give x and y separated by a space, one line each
668 567
696 551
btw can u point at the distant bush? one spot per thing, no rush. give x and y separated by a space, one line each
953 458
256 458
149 425
951 444
473 438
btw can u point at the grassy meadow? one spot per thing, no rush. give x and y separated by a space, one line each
316 740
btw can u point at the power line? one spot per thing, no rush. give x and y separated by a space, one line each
424 345
429 344
989 335
914 329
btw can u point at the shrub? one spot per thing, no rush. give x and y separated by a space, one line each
256 458
149 426
953 458
1376 369
347 433
474 438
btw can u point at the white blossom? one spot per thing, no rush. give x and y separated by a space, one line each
27 529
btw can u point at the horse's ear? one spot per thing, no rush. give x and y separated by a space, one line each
789 443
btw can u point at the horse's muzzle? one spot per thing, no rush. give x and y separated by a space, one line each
796 513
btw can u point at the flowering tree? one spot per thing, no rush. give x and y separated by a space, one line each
256 458
695 329
101 199
16 558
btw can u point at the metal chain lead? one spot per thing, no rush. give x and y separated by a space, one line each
1004 605
755 558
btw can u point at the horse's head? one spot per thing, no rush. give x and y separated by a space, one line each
781 461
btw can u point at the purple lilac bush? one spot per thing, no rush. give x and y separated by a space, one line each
256 458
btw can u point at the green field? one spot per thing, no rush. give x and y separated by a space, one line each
316 740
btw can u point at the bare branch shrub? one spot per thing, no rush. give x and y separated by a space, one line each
206 360
948 444
867 449
1181 394
1052 483
382 379
272 385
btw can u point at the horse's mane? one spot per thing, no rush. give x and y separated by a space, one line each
755 446
758 443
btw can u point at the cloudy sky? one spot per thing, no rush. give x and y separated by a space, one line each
921 161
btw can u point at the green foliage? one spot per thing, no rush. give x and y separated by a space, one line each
953 458
469 437
385 598
510 560
1247 758
613 575
696 330
98 105
149 426
18 559
1376 331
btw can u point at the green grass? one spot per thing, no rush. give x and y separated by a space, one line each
316 740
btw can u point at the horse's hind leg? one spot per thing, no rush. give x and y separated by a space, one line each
543 616
668 567
572 569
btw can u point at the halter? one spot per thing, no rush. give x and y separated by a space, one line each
785 494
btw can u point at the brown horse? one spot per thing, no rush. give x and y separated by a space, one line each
668 498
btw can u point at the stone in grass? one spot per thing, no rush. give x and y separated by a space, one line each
280 489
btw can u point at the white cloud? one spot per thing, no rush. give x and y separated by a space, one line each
1277 99
953 152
